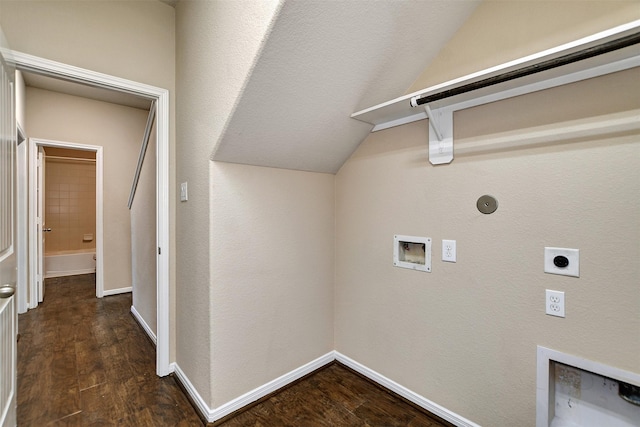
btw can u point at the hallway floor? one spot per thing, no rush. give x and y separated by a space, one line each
85 361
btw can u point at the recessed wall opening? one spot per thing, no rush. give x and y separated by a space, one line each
577 392
412 252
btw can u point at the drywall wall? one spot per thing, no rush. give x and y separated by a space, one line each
217 43
272 274
143 239
257 295
129 39
465 335
119 130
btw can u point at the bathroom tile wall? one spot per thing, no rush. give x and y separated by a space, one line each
70 208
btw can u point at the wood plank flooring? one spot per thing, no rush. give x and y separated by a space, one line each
84 361
334 396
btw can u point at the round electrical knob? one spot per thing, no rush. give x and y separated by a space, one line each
561 261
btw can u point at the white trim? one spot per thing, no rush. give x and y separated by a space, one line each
253 395
32 300
270 387
419 400
143 324
109 292
25 62
544 390
22 254
34 64
33 144
64 273
240 402
198 401
163 366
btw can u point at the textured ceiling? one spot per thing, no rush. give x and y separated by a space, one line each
322 61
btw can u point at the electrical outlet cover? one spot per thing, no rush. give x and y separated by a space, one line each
449 250
571 255
554 303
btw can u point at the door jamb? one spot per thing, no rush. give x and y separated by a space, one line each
21 223
34 143
37 65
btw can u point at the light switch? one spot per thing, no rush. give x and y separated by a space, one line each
184 196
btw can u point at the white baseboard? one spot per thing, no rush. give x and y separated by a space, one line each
144 325
201 405
222 411
255 394
108 292
50 274
421 401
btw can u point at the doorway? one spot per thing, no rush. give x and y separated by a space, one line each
41 66
61 218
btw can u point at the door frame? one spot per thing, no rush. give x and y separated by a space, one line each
33 64
35 293
22 255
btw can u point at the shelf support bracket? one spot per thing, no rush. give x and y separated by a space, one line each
440 135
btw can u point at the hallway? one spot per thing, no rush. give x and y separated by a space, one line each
85 361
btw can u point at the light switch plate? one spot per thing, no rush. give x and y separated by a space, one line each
184 195
572 257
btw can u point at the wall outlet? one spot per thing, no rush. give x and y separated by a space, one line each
449 250
563 261
554 301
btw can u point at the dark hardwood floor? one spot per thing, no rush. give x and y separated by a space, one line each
84 361
334 396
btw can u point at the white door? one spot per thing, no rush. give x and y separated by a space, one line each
8 316
41 230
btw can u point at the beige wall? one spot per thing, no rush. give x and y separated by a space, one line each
143 239
70 205
129 39
119 130
216 43
272 274
255 245
465 335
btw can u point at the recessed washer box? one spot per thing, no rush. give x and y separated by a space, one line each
412 252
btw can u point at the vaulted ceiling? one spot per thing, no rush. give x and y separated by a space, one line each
324 60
